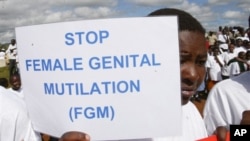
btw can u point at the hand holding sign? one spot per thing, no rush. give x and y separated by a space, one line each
74 136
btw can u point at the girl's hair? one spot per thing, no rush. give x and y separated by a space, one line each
185 20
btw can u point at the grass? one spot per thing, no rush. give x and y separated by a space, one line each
4 72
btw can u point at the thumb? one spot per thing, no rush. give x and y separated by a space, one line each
75 136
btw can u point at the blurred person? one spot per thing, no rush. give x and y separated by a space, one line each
247 46
16 85
236 66
223 40
239 45
2 54
212 38
214 65
226 57
2 58
248 59
11 53
228 104
15 124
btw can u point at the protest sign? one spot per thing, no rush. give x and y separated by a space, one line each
111 78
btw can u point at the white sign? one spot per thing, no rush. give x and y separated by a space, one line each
110 78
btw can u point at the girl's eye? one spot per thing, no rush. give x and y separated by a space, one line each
201 63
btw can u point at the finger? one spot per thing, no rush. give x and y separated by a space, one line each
75 136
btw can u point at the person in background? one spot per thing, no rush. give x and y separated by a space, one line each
236 66
226 57
15 124
228 104
247 46
239 45
220 28
223 40
214 64
248 59
2 58
2 54
212 38
12 53
16 85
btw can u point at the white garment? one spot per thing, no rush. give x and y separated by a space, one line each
12 54
226 102
234 69
226 57
19 93
2 59
193 127
223 38
15 124
2 55
215 68
240 49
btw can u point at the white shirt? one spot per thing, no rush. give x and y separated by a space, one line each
15 124
234 69
12 54
240 49
226 57
19 93
223 39
226 102
215 68
193 127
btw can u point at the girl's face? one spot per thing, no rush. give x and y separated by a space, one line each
193 56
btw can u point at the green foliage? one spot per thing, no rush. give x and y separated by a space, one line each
4 72
4 46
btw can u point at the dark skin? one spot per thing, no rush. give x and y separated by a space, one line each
74 136
15 82
193 56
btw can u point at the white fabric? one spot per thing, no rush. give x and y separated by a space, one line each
215 68
2 59
19 93
2 55
193 127
223 38
240 49
12 55
226 102
15 124
234 69
226 57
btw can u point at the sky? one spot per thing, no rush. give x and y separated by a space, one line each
211 13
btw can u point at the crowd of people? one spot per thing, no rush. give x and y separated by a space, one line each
228 56
219 61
